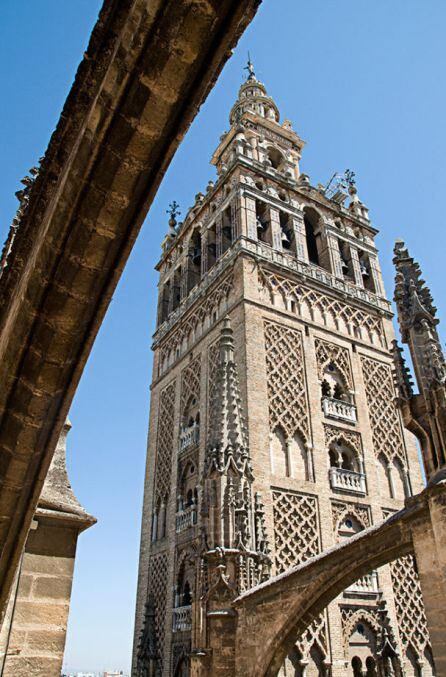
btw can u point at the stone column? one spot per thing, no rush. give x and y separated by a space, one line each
276 231
218 236
250 218
300 240
204 251
389 469
375 272
429 539
335 256
356 267
236 216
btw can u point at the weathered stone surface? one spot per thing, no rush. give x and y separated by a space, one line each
147 69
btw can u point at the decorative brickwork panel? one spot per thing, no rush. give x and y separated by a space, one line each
289 289
296 537
158 590
213 362
347 437
296 530
198 314
287 397
165 442
340 510
351 616
409 605
384 419
330 353
315 634
190 382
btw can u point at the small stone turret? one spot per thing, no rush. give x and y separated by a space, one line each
424 414
233 517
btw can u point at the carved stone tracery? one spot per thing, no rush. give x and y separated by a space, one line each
340 510
204 309
409 605
190 382
290 290
287 396
348 437
165 443
384 418
330 353
157 589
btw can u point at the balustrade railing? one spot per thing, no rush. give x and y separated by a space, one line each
367 585
182 618
189 437
186 518
339 409
347 480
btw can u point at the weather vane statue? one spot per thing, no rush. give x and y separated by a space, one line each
250 68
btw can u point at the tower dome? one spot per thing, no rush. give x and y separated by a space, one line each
253 98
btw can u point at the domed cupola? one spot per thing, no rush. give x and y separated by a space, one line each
253 98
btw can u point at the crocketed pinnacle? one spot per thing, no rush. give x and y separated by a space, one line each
412 296
228 439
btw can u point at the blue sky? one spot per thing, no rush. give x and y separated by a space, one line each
363 83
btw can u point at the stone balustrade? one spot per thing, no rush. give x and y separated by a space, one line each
348 480
366 585
189 437
339 409
182 618
186 518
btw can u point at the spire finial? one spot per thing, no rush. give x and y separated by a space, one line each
250 68
174 211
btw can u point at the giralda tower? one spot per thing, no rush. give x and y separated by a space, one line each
273 428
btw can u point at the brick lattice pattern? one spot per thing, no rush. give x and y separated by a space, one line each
289 289
330 353
409 606
385 423
165 442
288 406
158 589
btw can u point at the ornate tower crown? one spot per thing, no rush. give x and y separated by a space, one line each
253 97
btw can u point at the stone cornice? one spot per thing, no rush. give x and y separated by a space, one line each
306 272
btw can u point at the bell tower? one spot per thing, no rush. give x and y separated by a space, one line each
274 431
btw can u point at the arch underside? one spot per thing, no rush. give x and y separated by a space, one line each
298 596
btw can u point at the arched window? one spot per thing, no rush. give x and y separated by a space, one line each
287 232
399 481
279 454
194 271
276 158
362 650
212 246
226 230
312 234
334 384
176 289
163 309
383 477
346 261
263 223
343 456
364 267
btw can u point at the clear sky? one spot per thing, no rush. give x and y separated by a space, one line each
364 85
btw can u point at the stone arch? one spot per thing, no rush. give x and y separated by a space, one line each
278 452
307 589
361 641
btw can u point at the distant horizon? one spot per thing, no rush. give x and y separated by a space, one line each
360 83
